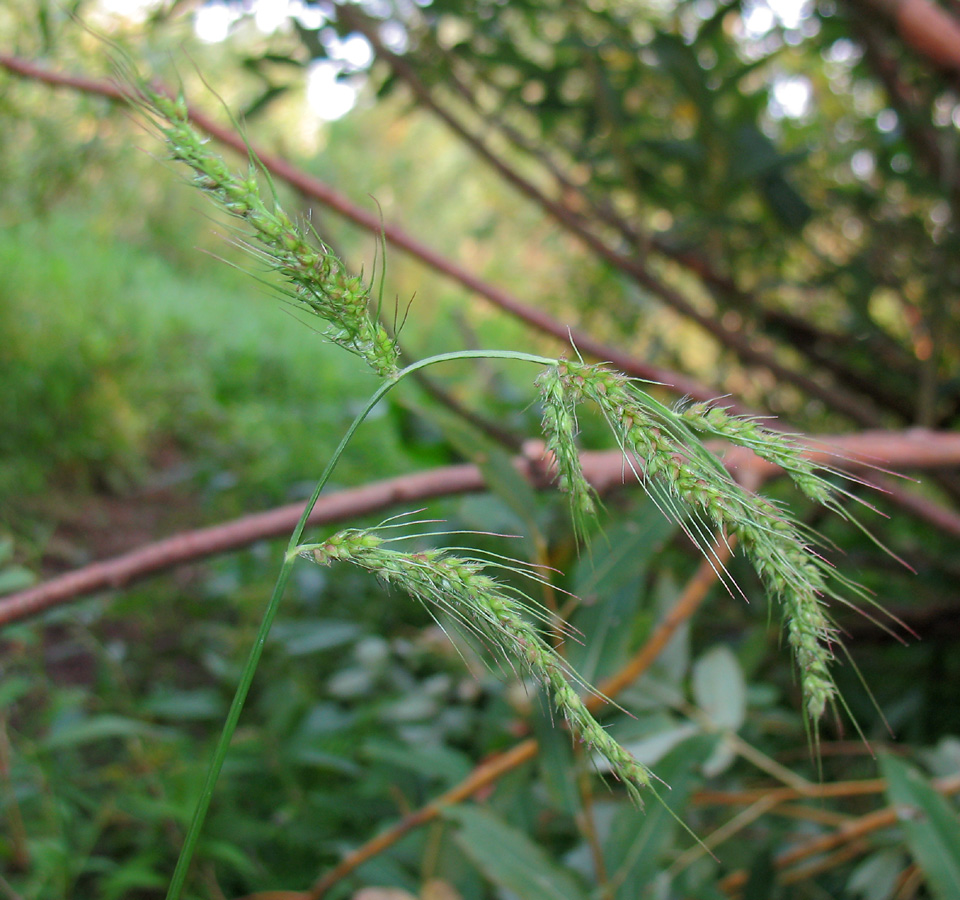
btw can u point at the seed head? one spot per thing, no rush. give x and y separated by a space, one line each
315 279
461 587
689 484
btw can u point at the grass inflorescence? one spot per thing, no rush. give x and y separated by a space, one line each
688 483
662 446
461 588
316 280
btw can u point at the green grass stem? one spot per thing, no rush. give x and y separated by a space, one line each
189 847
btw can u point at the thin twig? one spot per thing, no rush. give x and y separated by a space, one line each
845 834
783 794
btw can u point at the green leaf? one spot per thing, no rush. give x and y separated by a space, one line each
504 481
876 877
610 581
719 688
651 749
931 825
12 689
672 665
229 855
317 759
432 761
134 876
15 578
195 705
637 841
98 728
762 883
555 760
753 155
509 859
259 105
785 201
302 637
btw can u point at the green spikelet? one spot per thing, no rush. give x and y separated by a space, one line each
316 280
559 425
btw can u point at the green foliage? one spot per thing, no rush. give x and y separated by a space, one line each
110 353
128 362
931 824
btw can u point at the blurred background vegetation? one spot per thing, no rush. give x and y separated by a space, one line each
759 195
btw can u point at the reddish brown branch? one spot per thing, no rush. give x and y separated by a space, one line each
317 190
192 545
845 834
58 79
834 397
930 29
913 449
947 520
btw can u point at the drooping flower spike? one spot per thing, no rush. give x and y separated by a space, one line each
495 612
316 281
689 484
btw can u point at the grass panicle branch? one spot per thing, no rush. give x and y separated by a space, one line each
316 280
460 587
775 447
559 424
688 483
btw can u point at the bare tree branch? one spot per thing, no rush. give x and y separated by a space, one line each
931 30
604 469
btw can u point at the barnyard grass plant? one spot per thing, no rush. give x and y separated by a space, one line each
663 448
